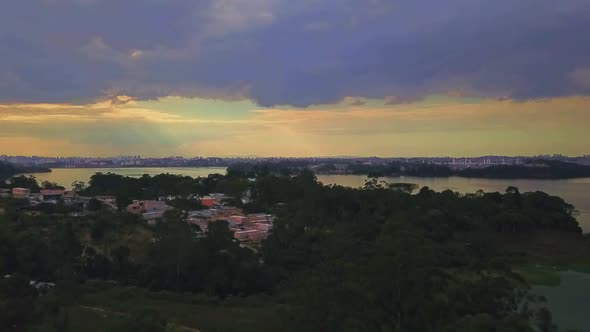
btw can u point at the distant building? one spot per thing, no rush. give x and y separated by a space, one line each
208 201
52 195
142 207
21 193
153 217
5 193
250 235
203 224
260 218
263 227
237 219
202 213
212 199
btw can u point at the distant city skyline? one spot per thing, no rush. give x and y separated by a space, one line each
114 157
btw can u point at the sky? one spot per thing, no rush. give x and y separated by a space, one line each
294 78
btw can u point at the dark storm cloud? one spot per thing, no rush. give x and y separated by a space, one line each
292 52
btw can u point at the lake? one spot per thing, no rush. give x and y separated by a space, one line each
568 302
574 191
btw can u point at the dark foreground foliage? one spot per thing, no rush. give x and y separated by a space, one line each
338 259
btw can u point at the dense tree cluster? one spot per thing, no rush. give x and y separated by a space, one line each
541 169
382 259
378 258
23 181
152 187
530 169
7 170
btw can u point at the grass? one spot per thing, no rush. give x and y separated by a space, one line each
539 275
136 237
82 319
540 256
580 267
547 247
99 306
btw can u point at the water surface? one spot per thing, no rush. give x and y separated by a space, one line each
569 302
574 191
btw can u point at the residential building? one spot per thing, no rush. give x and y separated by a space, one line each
263 227
5 193
237 219
208 201
21 193
153 217
52 195
141 207
260 217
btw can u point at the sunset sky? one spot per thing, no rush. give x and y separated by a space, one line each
294 78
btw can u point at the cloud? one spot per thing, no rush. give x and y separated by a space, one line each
354 101
301 53
433 126
227 16
581 78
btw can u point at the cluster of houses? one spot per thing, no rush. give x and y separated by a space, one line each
250 227
45 195
246 227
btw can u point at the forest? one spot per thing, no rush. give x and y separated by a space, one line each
7 170
528 169
385 257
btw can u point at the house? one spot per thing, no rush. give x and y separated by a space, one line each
203 224
260 218
251 235
52 195
21 193
208 201
263 227
237 219
202 213
141 207
4 193
153 217
212 199
244 235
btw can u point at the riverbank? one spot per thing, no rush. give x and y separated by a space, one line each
557 266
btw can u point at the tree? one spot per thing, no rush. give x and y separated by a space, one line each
24 181
17 303
144 320
79 186
51 185
407 188
175 215
93 205
544 321
122 202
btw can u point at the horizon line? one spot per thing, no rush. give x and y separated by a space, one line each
300 157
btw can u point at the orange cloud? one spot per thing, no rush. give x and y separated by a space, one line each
443 126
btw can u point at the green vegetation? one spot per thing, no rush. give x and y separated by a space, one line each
193 311
8 170
530 169
539 275
338 259
542 169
